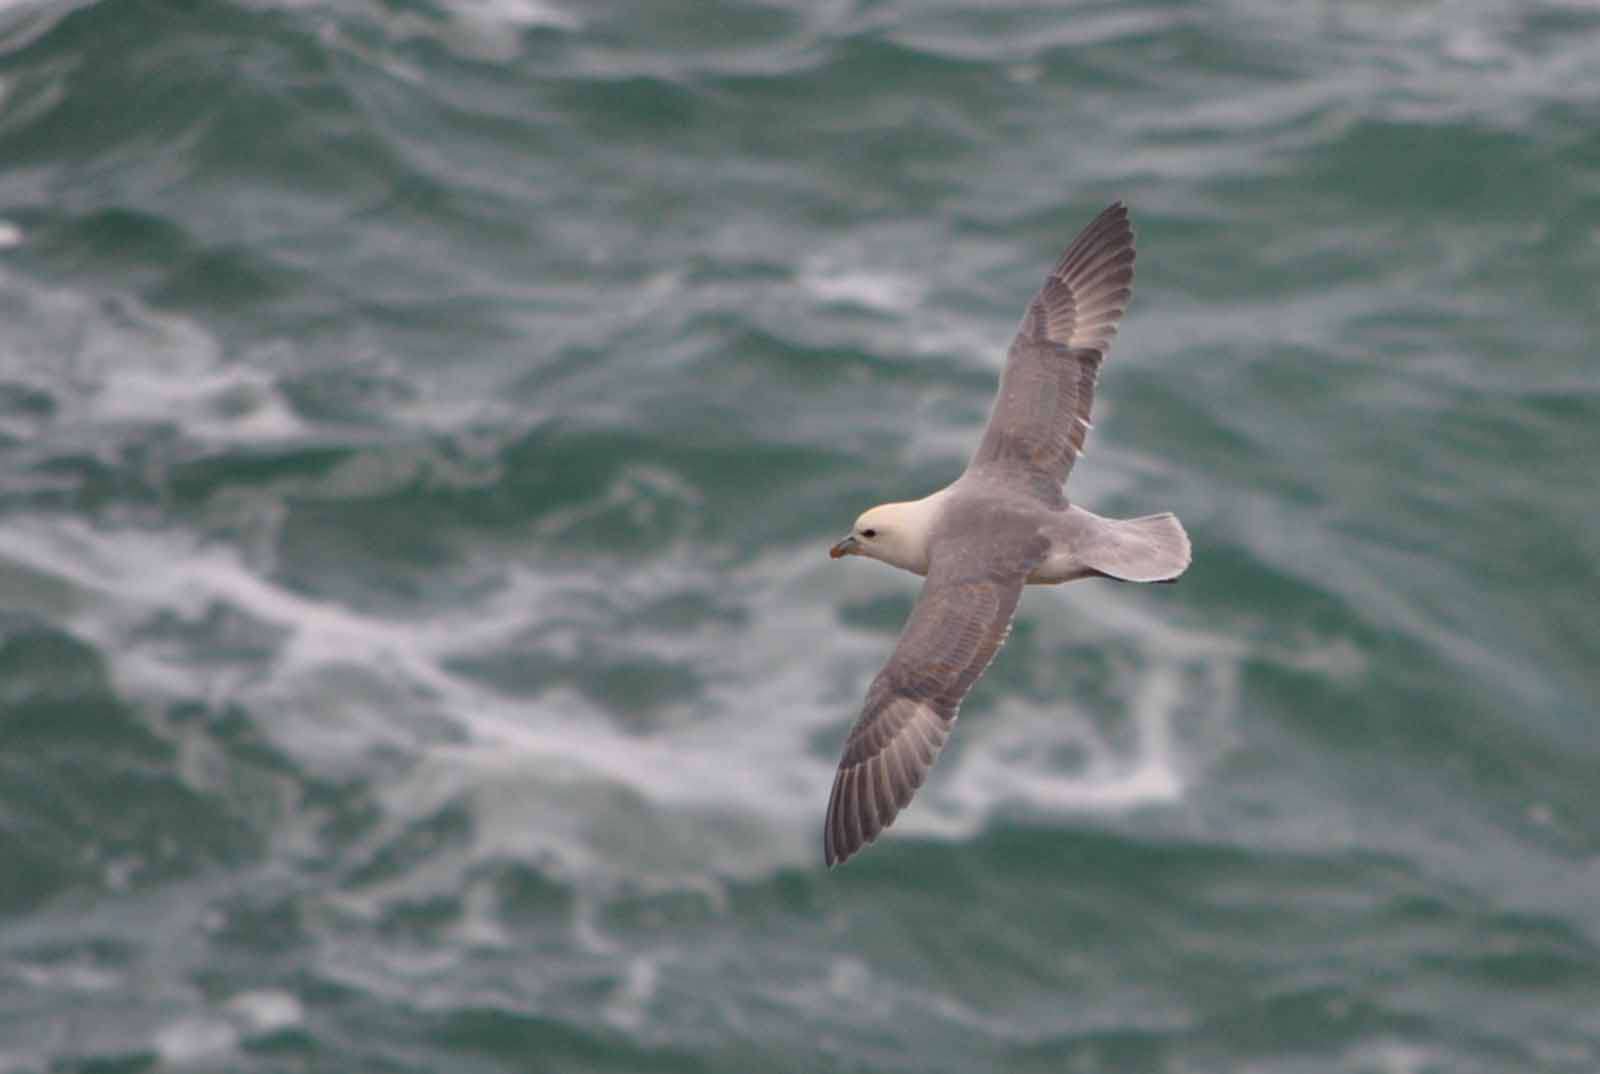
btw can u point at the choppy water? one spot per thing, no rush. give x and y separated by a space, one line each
422 425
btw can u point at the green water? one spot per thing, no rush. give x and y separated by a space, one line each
422 426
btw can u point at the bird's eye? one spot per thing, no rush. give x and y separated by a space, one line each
869 533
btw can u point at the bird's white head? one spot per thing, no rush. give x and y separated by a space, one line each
896 533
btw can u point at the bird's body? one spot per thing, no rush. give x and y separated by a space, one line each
1003 524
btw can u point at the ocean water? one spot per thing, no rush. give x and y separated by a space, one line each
422 426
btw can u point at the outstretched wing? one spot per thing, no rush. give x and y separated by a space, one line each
959 623
1041 414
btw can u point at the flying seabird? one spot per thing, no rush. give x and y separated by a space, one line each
1003 523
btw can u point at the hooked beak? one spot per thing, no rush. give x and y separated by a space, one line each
847 547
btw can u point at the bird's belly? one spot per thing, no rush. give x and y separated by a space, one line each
1057 568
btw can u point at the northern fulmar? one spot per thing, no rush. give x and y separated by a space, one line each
1003 523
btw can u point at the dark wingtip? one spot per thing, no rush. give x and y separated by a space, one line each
834 858
835 840
1110 233
843 833
831 857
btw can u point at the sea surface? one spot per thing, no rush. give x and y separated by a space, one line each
423 424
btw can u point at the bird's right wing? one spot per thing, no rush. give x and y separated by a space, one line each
1041 414
960 621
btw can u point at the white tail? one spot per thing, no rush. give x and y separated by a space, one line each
1154 548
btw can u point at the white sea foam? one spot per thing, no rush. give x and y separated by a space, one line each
731 783
627 1007
194 1040
1398 1057
1016 763
836 281
266 1011
116 360
485 30
513 13
736 789
70 978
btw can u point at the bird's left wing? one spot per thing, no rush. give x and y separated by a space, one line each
1041 414
960 621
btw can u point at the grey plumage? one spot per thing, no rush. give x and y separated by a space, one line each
1040 416
1003 524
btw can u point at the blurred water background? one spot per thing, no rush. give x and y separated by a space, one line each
422 424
